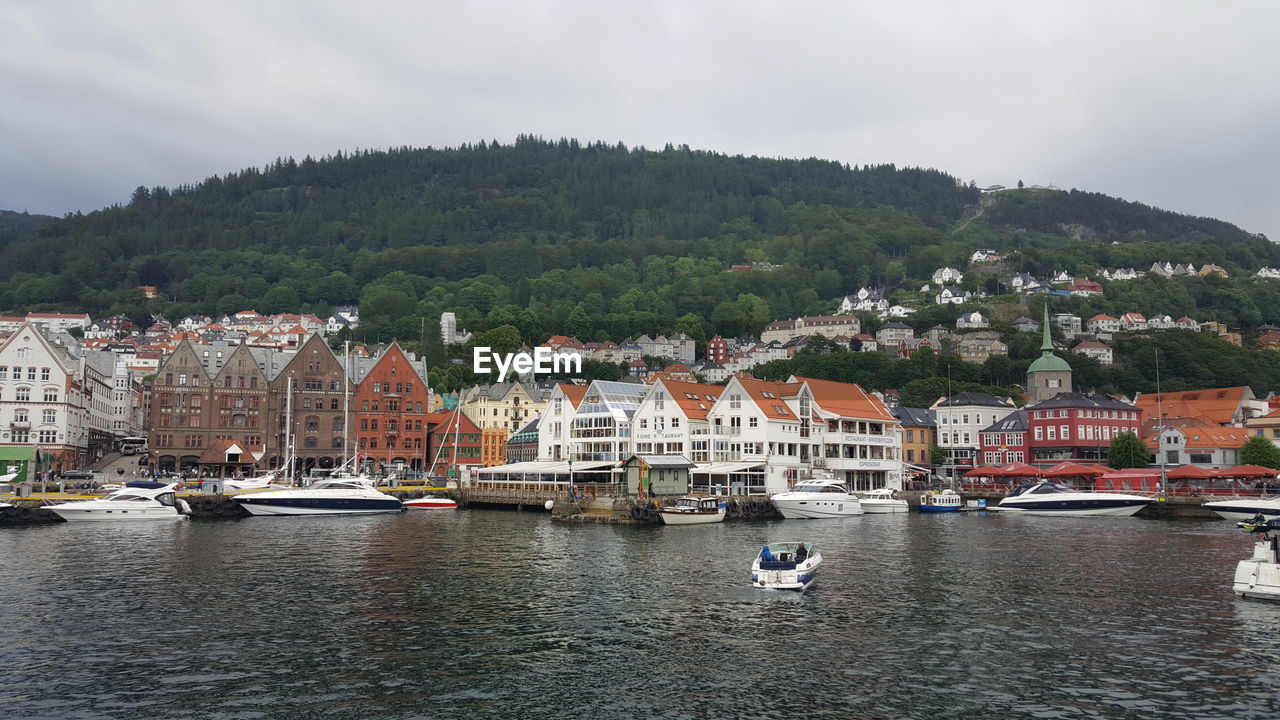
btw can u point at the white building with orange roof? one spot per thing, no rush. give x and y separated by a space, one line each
557 420
1102 324
856 438
672 420
757 443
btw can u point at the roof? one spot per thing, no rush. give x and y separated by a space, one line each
768 396
1013 422
703 397
846 399
1214 406
914 417
1210 436
973 398
1081 400
1048 362
575 393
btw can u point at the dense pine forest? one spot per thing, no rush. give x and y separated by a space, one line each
601 241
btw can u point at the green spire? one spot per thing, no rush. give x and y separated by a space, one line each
1047 345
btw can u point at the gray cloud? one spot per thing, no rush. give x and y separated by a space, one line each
1168 103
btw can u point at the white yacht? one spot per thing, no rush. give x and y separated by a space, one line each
135 501
1049 498
1246 508
817 499
328 496
882 500
786 566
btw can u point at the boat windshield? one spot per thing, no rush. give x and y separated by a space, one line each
1044 488
125 496
813 488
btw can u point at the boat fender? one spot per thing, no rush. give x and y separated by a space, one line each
184 508
637 512
215 508
26 513
10 514
755 507
44 512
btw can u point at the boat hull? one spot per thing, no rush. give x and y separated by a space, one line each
883 507
431 503
814 510
1237 510
311 506
794 579
1257 579
1117 507
691 518
102 514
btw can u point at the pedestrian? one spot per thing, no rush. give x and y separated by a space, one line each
200 484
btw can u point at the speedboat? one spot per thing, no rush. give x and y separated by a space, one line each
940 502
882 500
266 481
431 502
328 496
693 511
1259 576
135 501
1049 498
786 566
817 499
1245 508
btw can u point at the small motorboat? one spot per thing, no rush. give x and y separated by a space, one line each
882 500
940 502
1245 508
817 499
693 511
431 502
1049 498
786 566
1259 576
135 501
342 495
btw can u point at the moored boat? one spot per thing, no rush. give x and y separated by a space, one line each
431 502
328 496
1246 508
817 499
786 566
1050 498
1259 576
693 511
940 502
882 500
135 501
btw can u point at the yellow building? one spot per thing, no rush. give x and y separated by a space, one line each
508 405
493 446
919 434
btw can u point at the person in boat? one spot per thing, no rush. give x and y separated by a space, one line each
765 554
801 553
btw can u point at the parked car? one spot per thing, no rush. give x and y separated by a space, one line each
77 475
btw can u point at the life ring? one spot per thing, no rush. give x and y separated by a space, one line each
637 513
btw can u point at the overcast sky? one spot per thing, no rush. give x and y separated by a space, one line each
1175 104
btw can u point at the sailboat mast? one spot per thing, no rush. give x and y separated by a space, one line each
288 431
346 403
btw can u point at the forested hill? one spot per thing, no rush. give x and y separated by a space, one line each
624 240
16 224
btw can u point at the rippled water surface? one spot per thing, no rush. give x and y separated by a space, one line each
501 614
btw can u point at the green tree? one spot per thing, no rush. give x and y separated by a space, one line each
937 456
1127 450
1258 450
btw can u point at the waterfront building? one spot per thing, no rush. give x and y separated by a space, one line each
1230 406
960 419
672 420
44 402
855 437
919 434
390 410
522 446
197 412
602 423
455 445
758 441
1207 446
506 405
1005 441
318 424
493 446
557 421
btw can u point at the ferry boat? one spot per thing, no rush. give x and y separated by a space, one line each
1049 498
1259 576
339 495
786 566
693 511
817 499
940 502
135 501
882 500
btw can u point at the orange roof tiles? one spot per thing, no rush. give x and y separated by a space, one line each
847 399
1215 406
575 393
703 397
768 396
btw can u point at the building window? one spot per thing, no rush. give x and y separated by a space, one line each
1039 432
1066 432
48 437
50 395
50 417
22 394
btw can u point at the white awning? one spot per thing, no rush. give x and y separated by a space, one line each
727 468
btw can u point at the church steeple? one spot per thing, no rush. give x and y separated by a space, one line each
1047 344
1049 374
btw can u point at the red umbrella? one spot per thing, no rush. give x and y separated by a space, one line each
982 471
1017 469
1071 469
1189 472
1246 471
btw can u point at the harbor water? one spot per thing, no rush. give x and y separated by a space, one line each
508 615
